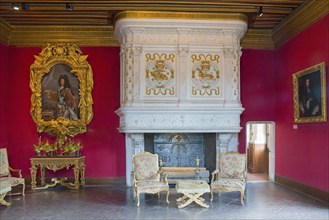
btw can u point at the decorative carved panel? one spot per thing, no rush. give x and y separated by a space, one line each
205 75
160 74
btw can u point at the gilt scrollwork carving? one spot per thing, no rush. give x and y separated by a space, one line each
160 74
205 74
61 82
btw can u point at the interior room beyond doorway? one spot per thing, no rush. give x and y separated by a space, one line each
260 151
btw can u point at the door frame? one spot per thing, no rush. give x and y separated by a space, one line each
270 144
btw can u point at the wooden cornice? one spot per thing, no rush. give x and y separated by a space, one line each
258 39
100 36
303 17
5 31
80 35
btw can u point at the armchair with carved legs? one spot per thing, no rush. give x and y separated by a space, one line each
147 176
231 174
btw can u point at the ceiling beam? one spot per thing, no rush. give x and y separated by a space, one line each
299 20
5 31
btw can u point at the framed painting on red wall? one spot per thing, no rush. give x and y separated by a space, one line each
61 83
310 102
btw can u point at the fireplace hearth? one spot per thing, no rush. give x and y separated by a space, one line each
182 154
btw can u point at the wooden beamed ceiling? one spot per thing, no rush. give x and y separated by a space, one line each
53 14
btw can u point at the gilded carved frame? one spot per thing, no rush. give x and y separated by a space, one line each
57 61
310 102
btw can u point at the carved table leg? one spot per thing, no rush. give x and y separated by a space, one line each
43 175
76 170
189 198
33 171
82 173
181 199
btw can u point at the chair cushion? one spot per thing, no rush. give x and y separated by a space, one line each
150 184
232 165
14 180
229 184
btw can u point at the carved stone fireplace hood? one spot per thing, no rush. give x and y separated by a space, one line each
180 72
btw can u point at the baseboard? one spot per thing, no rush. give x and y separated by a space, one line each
321 195
89 180
105 181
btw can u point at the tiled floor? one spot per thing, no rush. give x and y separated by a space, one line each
265 200
257 177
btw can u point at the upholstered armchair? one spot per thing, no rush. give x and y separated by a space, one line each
147 175
231 174
6 170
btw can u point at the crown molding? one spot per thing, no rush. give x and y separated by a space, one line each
80 35
5 31
181 15
303 17
258 39
97 36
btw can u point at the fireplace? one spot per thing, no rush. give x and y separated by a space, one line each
184 155
180 85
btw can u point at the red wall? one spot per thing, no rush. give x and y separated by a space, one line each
257 89
267 95
103 145
3 94
301 154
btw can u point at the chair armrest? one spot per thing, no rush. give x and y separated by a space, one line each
213 174
17 171
165 178
134 179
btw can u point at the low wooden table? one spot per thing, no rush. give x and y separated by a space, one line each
58 163
192 190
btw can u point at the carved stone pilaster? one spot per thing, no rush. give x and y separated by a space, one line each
134 145
232 70
222 141
236 75
127 75
182 60
136 52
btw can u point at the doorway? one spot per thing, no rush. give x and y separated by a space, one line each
260 149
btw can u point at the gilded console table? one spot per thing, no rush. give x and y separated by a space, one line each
58 163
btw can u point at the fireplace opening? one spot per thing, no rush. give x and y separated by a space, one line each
182 153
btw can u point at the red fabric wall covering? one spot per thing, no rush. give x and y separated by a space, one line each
104 147
301 154
3 94
258 89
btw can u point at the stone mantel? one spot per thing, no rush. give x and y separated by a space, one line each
190 120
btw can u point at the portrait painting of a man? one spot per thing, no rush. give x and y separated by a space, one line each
310 94
60 94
